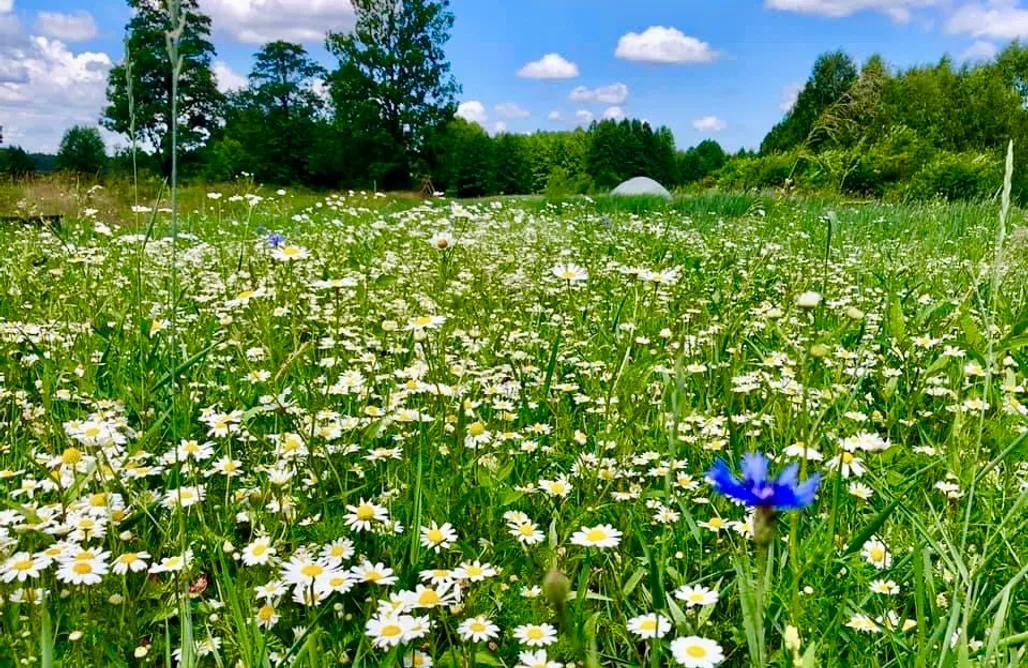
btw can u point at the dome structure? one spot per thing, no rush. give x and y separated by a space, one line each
641 185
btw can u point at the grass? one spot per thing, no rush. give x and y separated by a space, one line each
311 413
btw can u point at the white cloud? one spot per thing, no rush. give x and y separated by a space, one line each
6 6
472 111
512 110
226 78
898 10
709 124
614 114
550 66
789 94
260 21
77 27
499 127
615 93
584 116
980 50
555 116
35 102
668 46
999 19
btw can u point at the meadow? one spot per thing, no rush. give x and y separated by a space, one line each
355 430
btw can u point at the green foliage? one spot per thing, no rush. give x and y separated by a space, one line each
393 85
833 75
274 121
82 151
700 161
14 161
149 68
958 176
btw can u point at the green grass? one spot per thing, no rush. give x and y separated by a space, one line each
625 389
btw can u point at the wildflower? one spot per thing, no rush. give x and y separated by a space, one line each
442 241
887 587
173 564
258 552
23 566
697 652
649 626
758 490
86 571
536 635
267 616
361 516
130 561
863 623
478 629
571 273
602 536
388 630
808 300
290 253
877 554
698 595
537 659
437 537
275 240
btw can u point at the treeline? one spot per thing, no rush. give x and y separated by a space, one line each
384 117
937 130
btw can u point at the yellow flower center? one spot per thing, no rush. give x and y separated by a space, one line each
258 550
390 631
365 512
312 570
535 633
23 565
435 536
477 627
595 535
696 651
245 294
82 567
71 456
266 613
429 597
649 625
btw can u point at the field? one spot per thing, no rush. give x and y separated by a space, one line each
355 430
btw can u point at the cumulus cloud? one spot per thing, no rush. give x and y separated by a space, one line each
260 21
6 6
550 66
498 127
613 114
584 116
615 93
980 50
709 124
511 110
35 81
77 27
789 94
998 19
898 10
555 116
226 78
667 46
472 111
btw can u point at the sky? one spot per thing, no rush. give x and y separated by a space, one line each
721 69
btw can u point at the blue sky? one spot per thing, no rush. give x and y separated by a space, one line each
705 68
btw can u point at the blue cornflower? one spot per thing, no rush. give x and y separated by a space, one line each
275 239
758 490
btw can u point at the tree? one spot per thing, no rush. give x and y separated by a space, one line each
832 76
150 69
275 118
14 161
82 151
393 84
700 161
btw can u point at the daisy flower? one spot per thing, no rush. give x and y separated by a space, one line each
258 552
478 629
130 561
535 635
437 537
697 652
698 595
537 659
649 626
601 535
572 273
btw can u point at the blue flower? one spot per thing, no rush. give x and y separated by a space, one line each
758 490
275 239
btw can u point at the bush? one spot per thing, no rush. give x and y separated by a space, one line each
958 176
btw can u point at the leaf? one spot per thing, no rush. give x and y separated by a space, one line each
896 321
972 335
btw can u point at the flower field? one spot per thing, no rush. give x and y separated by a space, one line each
354 431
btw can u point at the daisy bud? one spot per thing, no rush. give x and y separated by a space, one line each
141 651
792 638
854 313
556 586
74 635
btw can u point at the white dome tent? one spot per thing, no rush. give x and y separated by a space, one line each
641 185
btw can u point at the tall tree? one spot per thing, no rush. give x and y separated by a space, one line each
832 76
393 82
275 118
150 70
82 151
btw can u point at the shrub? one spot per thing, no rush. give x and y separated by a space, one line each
958 176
